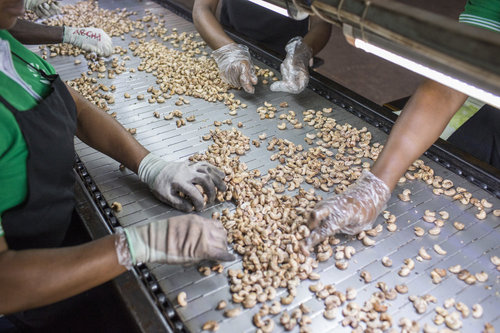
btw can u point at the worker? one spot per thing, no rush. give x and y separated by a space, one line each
275 31
89 39
420 123
43 8
40 263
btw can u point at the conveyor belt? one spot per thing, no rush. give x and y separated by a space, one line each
471 248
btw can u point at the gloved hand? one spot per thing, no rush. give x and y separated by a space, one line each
168 179
43 8
350 212
182 239
235 66
294 69
89 39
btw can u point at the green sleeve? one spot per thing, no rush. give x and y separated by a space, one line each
482 14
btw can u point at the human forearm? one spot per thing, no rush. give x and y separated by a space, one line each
207 25
318 34
420 124
33 33
33 278
102 132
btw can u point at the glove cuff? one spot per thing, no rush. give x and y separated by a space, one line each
122 247
67 32
379 189
299 50
150 167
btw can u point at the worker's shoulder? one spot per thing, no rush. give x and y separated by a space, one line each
28 56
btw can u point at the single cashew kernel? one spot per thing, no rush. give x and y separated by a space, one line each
439 250
423 253
210 325
232 312
482 277
366 276
386 261
181 299
477 311
458 225
221 305
401 288
481 215
116 206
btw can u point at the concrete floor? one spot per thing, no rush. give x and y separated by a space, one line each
373 77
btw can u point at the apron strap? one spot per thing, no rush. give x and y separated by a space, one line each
41 71
7 105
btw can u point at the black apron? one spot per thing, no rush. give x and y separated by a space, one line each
42 220
46 219
262 25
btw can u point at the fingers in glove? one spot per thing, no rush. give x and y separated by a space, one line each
316 216
279 86
55 8
177 202
193 194
215 174
246 79
43 12
206 182
317 236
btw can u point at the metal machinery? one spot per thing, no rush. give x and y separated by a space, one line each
149 291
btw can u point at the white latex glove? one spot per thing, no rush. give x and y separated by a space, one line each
235 66
43 8
168 179
350 212
89 39
182 239
295 67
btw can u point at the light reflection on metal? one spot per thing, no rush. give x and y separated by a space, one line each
430 73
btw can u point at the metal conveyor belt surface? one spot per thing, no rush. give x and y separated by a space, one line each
472 247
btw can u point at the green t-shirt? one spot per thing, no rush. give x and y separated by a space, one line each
13 149
482 13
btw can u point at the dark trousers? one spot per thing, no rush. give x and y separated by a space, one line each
480 136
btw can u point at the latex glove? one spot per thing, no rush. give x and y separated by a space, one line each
182 239
89 39
350 212
295 67
43 8
168 179
235 66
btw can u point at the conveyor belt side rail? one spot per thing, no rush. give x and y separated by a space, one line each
141 270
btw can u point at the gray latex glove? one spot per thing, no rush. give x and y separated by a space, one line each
350 212
295 67
168 179
43 8
182 239
235 66
89 39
